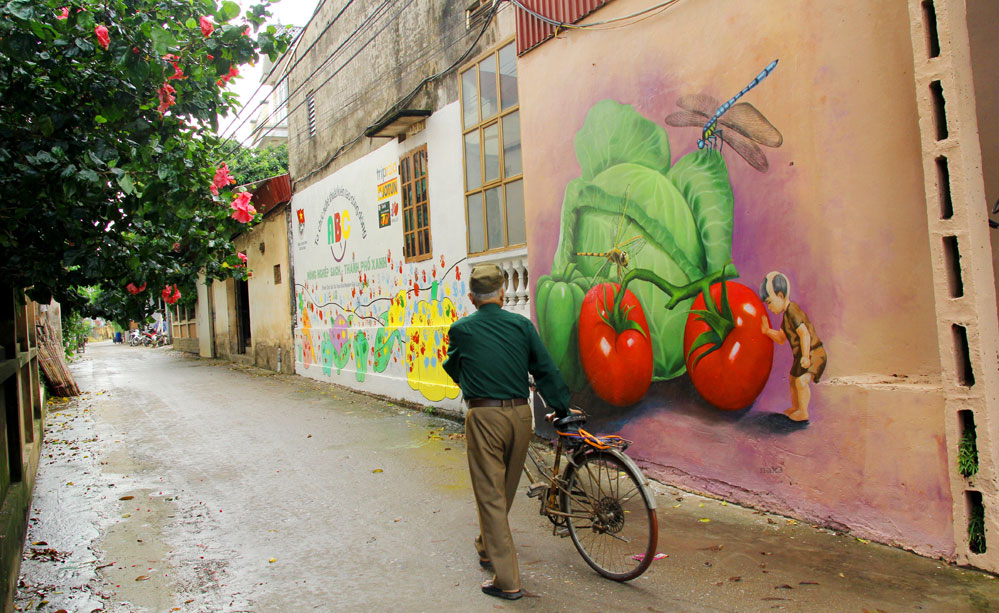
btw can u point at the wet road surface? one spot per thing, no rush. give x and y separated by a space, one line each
180 484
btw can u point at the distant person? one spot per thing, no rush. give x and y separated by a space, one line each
490 354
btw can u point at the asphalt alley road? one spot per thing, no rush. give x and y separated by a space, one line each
179 484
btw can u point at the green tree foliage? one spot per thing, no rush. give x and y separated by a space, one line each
251 165
108 119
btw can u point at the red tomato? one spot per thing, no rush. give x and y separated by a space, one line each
617 364
732 376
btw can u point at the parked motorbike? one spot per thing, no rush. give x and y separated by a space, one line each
153 338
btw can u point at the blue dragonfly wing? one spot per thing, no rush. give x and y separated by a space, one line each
747 149
745 119
699 103
686 119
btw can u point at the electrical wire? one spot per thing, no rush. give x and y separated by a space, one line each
429 50
337 71
367 21
287 72
405 100
596 24
260 86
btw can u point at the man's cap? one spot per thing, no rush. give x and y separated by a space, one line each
486 278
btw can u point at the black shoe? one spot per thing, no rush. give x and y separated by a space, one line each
492 590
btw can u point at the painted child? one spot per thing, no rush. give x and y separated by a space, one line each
809 354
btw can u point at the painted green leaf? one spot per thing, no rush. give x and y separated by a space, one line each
702 178
591 225
615 133
653 201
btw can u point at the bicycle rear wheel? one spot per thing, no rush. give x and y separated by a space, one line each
611 514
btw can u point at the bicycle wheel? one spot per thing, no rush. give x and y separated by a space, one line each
611 514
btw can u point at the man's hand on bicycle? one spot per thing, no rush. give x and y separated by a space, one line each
551 417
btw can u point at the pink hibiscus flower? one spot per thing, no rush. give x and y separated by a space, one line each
64 14
132 289
178 73
242 257
233 71
171 298
207 27
167 98
242 210
221 179
102 36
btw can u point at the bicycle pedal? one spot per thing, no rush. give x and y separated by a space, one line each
536 489
562 532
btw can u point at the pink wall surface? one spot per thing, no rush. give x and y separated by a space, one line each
840 211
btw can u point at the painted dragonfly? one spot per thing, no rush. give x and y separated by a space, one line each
617 255
744 125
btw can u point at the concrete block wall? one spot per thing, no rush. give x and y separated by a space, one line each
963 259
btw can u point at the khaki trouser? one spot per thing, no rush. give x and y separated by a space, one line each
497 446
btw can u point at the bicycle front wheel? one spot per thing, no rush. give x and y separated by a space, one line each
611 515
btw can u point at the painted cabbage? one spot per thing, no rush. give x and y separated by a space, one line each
681 217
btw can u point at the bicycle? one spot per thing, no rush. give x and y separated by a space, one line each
601 499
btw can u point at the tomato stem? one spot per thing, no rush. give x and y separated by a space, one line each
679 293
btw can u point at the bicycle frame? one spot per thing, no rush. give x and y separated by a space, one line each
550 505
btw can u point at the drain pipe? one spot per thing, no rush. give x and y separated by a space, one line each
279 360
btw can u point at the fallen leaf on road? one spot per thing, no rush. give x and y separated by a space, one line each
142 577
865 541
377 470
734 579
807 583
783 586
397 519
126 497
714 548
40 543
658 556
126 515
704 520
272 560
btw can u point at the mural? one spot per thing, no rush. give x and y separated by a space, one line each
382 325
366 317
642 285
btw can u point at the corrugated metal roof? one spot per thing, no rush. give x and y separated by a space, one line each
532 31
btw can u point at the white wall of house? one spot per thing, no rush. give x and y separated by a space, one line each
366 318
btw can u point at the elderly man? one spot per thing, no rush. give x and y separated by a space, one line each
489 356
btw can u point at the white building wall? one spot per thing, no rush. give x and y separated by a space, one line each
365 318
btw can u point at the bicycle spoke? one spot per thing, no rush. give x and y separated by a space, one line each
618 526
